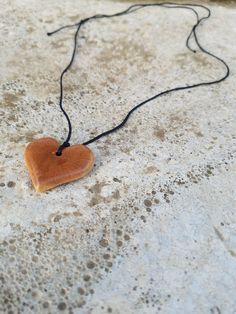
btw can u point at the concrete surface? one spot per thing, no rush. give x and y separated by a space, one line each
153 228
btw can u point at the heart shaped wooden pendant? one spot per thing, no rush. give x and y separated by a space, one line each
47 170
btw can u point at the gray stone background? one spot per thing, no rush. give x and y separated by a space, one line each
153 228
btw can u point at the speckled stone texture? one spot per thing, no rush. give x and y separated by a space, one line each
153 228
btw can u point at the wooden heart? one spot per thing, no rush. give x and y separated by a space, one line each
47 170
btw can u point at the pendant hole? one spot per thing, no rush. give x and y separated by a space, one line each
58 153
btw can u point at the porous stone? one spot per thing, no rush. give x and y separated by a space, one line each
152 228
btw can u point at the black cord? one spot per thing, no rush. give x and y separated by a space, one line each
131 9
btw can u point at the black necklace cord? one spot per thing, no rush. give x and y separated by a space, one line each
131 9
66 142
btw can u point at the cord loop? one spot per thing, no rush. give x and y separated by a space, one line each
135 7
61 147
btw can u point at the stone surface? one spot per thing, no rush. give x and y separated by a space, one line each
152 228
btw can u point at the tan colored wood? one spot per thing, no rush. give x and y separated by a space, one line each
47 170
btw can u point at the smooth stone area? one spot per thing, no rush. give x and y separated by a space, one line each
152 228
